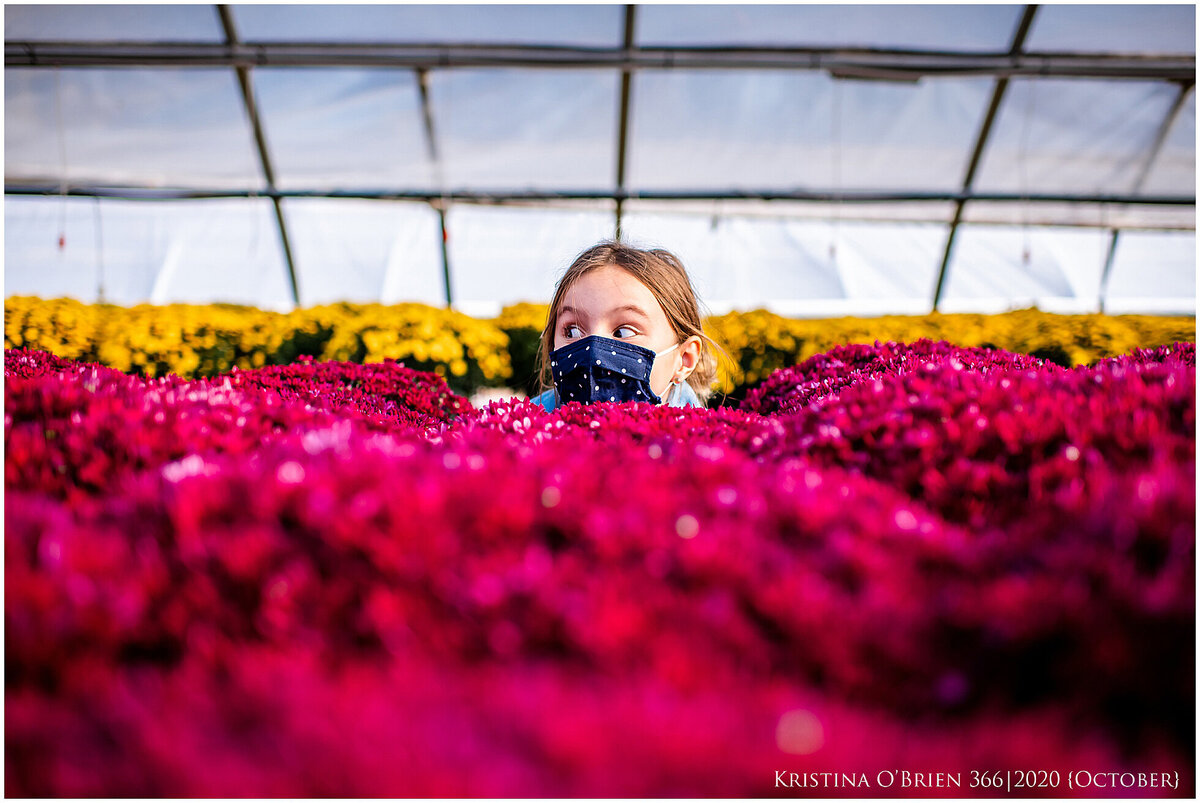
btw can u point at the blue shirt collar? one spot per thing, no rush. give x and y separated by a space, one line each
678 396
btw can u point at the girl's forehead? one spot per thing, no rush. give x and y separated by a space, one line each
608 287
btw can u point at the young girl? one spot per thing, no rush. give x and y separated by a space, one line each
625 325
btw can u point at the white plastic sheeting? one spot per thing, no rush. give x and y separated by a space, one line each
1075 136
57 253
113 23
1174 171
1101 215
1141 28
760 129
581 26
194 251
128 127
1153 272
804 268
205 251
513 130
970 28
374 115
365 251
996 268
999 267
505 255
526 129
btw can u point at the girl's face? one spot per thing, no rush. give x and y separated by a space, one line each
609 302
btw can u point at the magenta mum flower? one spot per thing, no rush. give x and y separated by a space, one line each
332 579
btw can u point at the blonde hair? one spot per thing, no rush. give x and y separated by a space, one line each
664 275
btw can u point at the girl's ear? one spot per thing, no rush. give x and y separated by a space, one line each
689 355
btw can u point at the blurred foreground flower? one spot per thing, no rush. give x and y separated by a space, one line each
332 579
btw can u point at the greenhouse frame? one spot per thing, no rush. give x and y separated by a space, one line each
341 462
812 160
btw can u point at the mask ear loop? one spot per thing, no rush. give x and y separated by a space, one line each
671 388
675 380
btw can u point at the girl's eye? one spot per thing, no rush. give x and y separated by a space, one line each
629 332
572 331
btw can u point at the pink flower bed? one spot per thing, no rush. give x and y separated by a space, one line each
331 579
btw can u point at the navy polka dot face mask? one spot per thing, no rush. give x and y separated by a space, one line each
596 368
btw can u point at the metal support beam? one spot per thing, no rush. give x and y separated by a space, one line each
878 64
1107 269
442 200
243 76
441 210
100 297
146 193
427 118
623 124
287 250
1160 139
985 131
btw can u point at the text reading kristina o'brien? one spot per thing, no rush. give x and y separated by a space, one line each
997 782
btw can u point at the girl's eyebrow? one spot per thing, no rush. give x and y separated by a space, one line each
633 308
